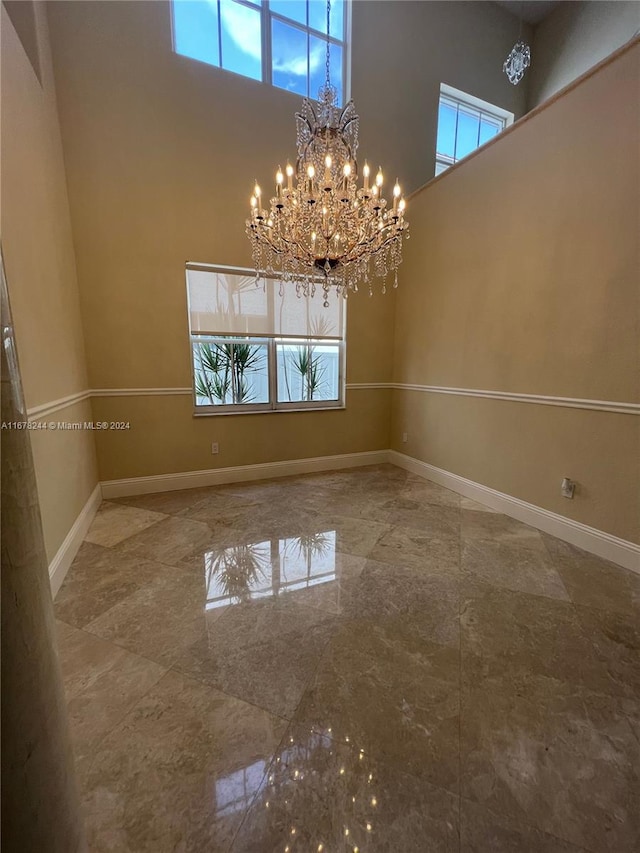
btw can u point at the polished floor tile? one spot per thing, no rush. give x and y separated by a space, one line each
497 528
392 694
425 492
512 633
168 541
548 753
103 682
467 503
429 519
353 535
178 770
157 619
114 523
169 503
483 832
428 601
595 582
616 639
98 579
320 793
234 511
414 548
348 661
262 651
513 567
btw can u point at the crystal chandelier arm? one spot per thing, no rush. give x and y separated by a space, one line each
291 246
365 249
365 239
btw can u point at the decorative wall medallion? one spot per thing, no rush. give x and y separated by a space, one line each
517 62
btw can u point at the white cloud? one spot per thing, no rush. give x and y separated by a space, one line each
243 25
296 66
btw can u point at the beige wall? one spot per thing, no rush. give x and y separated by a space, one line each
166 439
524 278
575 37
520 275
161 155
402 52
39 261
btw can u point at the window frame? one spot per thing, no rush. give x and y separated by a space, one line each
228 408
463 99
266 18
271 342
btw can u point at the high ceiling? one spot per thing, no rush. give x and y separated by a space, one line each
530 12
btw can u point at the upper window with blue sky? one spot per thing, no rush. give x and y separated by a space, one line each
464 124
281 42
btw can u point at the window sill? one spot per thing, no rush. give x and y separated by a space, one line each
307 409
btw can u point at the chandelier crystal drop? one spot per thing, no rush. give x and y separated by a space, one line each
323 227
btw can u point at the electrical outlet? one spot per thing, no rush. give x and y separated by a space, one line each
405 437
567 488
215 448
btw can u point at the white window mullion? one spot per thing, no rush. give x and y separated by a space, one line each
267 71
219 33
273 374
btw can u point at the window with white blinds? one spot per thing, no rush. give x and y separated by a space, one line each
262 348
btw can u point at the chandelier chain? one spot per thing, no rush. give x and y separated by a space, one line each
328 42
520 27
519 58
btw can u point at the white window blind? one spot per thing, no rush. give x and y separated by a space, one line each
229 303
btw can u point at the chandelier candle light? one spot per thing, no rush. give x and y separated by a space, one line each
327 230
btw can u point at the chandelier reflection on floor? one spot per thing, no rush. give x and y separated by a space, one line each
321 229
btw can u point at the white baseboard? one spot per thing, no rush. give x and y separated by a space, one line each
620 551
60 564
238 474
595 541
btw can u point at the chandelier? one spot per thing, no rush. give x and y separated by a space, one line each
323 228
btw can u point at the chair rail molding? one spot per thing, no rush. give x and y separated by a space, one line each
615 406
539 399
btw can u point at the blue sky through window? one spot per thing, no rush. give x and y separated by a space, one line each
229 34
195 29
488 129
467 135
241 39
446 143
289 57
295 10
318 17
464 125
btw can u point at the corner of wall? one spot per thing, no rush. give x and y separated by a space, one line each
42 280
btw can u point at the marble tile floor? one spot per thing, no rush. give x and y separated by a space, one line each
349 661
